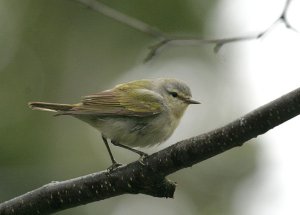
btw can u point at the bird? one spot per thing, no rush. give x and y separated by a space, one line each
140 113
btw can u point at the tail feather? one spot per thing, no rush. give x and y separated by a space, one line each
54 107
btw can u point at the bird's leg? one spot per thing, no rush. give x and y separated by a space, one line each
114 162
142 154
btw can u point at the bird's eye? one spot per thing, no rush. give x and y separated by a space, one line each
174 94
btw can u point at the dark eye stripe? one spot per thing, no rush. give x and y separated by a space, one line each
174 94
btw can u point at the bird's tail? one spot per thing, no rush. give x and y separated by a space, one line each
54 107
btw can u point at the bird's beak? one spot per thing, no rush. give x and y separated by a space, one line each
191 101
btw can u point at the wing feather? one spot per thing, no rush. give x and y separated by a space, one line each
121 101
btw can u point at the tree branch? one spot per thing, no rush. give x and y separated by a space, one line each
149 177
122 18
218 43
165 39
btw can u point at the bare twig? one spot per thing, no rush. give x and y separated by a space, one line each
122 18
165 39
219 43
149 177
284 14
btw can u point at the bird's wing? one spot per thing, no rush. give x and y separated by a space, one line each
121 101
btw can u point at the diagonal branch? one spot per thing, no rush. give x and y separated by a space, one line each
122 18
149 178
165 39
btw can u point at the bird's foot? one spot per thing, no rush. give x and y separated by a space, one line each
142 157
114 166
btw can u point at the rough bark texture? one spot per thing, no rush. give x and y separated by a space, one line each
148 177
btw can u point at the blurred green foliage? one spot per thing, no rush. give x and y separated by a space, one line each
59 50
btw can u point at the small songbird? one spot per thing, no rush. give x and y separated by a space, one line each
135 114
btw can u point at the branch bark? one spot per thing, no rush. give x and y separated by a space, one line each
149 177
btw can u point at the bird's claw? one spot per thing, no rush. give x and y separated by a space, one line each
113 167
142 157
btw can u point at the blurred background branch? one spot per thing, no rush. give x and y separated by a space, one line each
166 39
122 18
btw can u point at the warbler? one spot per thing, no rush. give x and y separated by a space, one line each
135 114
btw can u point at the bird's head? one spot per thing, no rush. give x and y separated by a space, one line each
177 95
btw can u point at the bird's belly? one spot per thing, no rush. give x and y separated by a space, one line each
137 132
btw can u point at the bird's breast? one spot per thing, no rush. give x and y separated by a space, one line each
137 131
